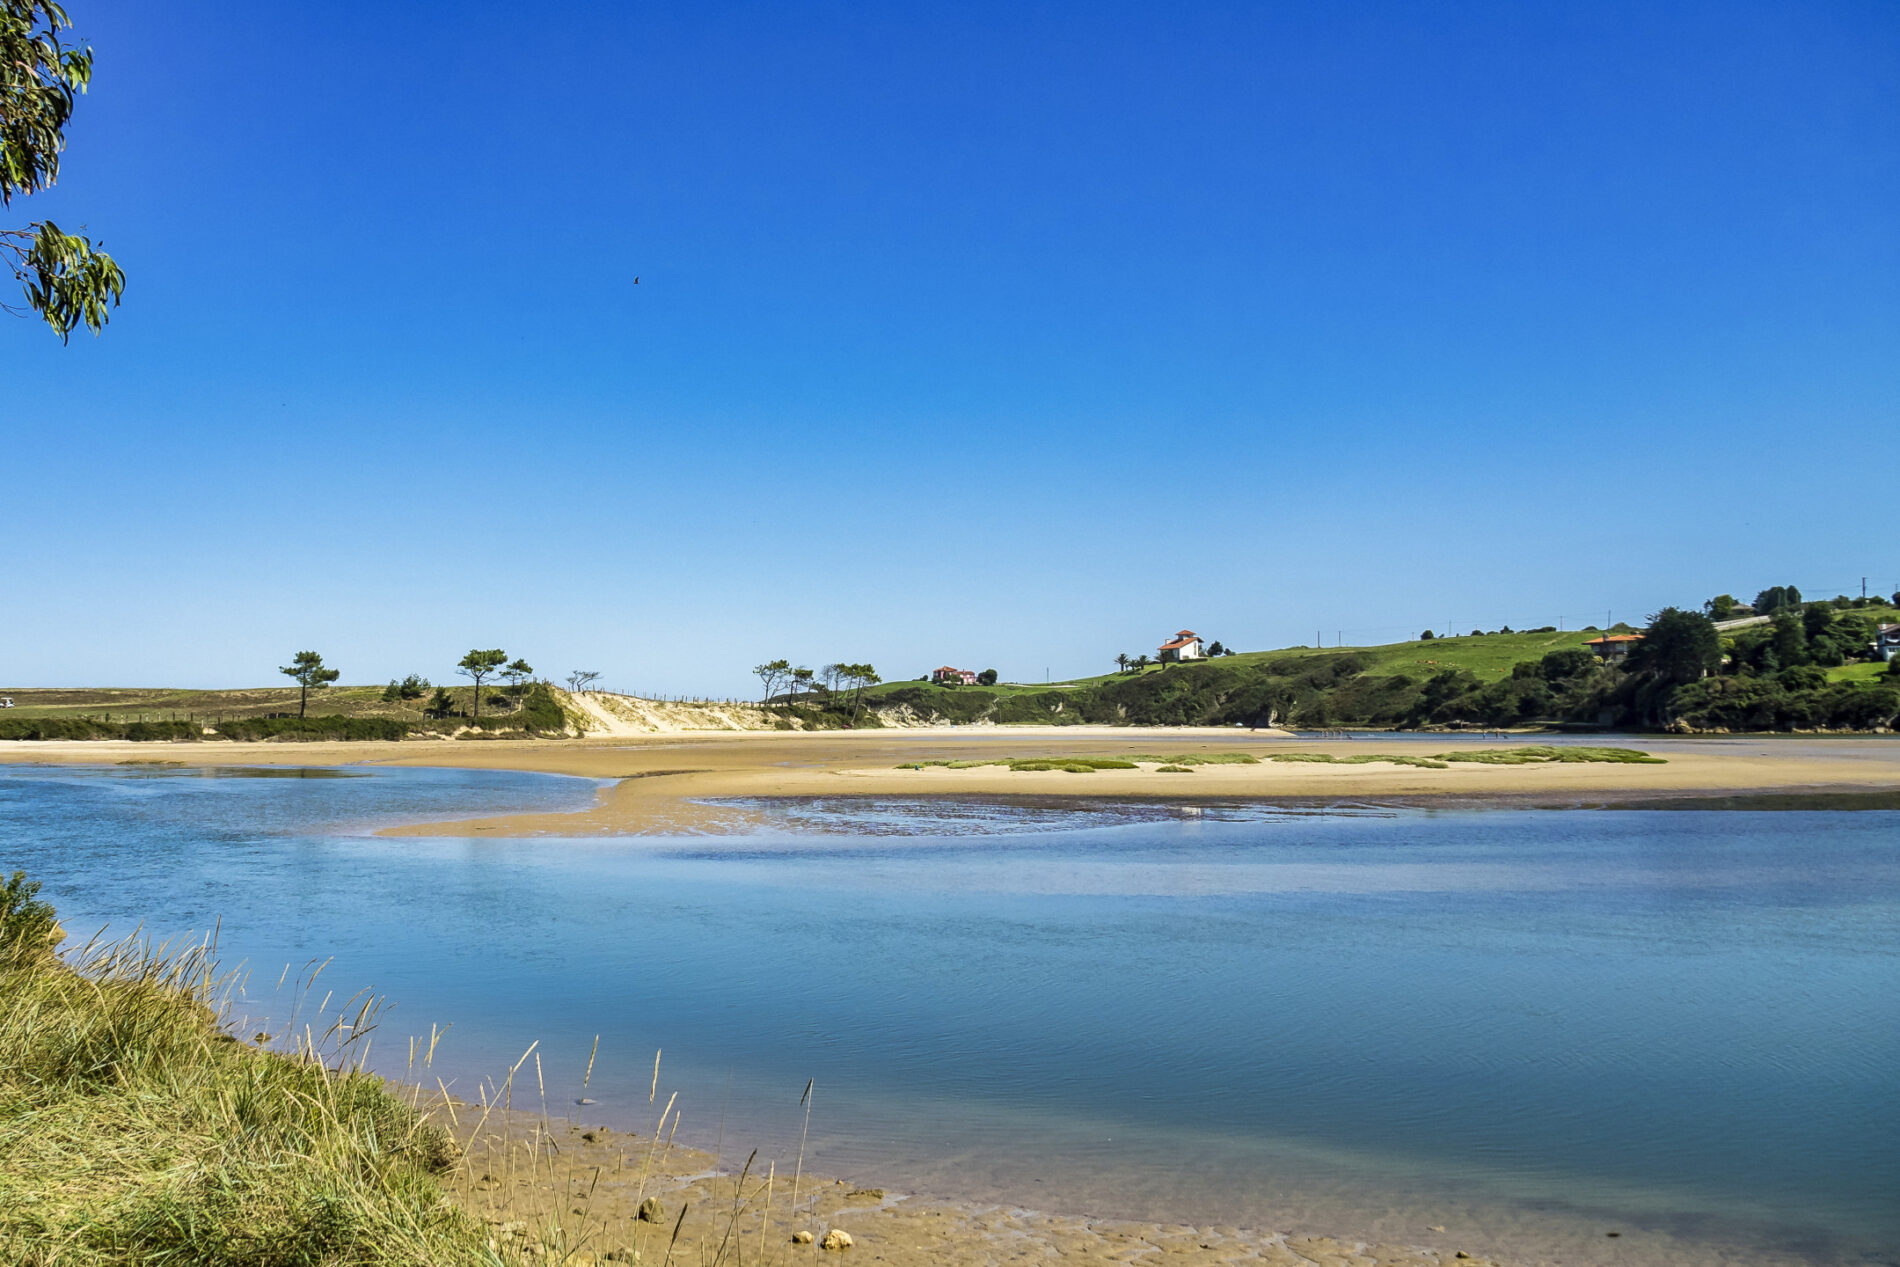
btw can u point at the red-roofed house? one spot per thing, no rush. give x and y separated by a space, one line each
947 674
1185 645
1613 646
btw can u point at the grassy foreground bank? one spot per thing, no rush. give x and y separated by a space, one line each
134 1131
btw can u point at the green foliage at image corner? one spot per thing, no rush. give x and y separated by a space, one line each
65 277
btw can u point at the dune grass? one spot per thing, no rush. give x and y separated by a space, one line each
134 1131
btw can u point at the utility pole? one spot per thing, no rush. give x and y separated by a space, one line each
1863 588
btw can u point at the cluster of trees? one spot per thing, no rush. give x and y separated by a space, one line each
310 673
479 666
1811 634
828 686
1780 598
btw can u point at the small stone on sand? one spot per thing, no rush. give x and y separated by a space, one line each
801 1237
836 1239
651 1211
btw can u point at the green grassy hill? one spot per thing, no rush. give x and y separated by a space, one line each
1219 690
1500 679
341 712
168 704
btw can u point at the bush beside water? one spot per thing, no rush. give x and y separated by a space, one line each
134 1131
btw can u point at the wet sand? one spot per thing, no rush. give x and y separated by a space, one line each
560 1191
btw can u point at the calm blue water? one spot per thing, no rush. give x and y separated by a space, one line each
1524 1020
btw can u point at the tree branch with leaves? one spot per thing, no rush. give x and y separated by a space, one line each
67 280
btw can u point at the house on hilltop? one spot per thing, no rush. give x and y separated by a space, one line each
947 675
1613 646
1185 645
1887 642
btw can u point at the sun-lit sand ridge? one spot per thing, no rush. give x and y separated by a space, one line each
673 782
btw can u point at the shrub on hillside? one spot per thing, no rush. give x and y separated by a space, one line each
538 712
86 728
328 727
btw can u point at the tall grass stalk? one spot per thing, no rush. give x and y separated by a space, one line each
804 1131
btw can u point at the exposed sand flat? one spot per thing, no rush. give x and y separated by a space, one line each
662 780
573 1193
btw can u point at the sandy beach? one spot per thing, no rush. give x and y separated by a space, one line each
677 782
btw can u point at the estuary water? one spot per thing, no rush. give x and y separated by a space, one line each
1533 1027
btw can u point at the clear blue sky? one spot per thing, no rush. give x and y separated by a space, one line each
992 335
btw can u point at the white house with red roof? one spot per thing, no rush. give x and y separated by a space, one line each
1185 645
947 674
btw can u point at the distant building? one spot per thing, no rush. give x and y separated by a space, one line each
1613 646
946 674
1887 642
1185 645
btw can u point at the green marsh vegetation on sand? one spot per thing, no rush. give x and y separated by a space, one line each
1529 754
1088 765
1541 754
1359 758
